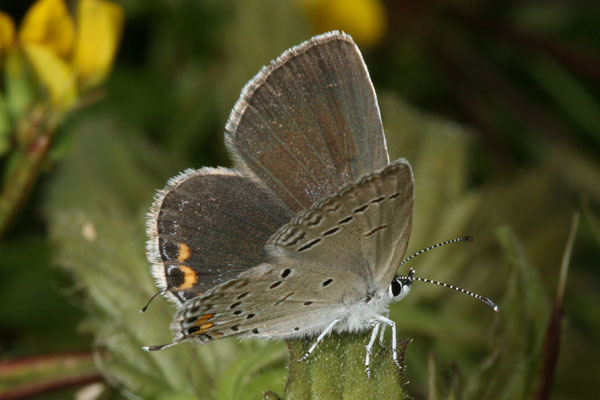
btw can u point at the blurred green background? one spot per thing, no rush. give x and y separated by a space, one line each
495 104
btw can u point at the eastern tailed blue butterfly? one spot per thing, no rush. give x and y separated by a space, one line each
305 236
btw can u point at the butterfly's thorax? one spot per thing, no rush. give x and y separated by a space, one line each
361 314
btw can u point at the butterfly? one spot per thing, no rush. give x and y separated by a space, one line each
305 235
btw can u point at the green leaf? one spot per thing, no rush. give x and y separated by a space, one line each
252 374
511 371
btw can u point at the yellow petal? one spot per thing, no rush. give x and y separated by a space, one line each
99 25
54 73
363 19
7 32
48 23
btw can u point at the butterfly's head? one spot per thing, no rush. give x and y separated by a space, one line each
400 286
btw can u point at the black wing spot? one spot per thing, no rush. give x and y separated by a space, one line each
327 282
255 331
250 316
235 328
393 196
331 231
308 303
309 244
234 305
285 273
296 328
345 220
378 200
193 330
237 312
360 209
275 284
195 310
241 296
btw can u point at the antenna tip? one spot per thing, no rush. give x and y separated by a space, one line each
143 310
496 309
469 238
161 346
153 348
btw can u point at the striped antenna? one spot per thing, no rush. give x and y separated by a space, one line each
411 277
426 249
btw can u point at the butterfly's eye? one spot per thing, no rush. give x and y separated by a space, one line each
395 288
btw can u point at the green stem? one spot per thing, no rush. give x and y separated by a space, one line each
22 178
336 369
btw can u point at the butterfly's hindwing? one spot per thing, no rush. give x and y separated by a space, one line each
284 299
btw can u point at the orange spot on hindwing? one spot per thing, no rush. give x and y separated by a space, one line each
204 318
204 327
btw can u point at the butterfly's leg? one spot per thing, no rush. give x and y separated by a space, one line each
321 336
382 331
370 346
393 325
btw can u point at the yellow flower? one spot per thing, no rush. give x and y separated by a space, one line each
363 19
48 24
99 29
67 56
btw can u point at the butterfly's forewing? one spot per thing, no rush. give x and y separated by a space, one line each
309 123
327 258
364 228
207 226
